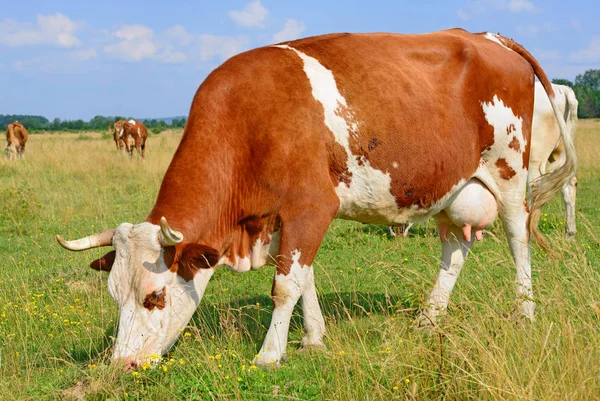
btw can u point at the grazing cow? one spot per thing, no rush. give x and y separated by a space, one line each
16 138
130 134
547 150
135 135
282 139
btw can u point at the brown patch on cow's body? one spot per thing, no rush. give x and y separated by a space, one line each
526 205
510 129
506 172
515 144
155 300
338 164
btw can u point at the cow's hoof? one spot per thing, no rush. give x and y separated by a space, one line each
266 361
427 319
524 314
312 346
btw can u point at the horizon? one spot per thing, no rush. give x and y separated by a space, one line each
78 60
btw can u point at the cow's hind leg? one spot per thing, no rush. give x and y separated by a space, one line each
514 215
454 252
569 193
301 235
470 210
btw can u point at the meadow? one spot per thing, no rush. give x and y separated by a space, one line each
57 320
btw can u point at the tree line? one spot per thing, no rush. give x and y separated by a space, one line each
98 123
587 90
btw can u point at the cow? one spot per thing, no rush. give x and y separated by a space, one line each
16 138
282 139
135 135
547 150
130 134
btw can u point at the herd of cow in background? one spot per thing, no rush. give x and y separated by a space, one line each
128 135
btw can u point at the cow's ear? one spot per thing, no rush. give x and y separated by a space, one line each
195 257
105 262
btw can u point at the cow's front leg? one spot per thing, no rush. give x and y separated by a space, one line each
314 324
287 289
301 237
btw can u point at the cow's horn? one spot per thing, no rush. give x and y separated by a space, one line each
168 236
93 241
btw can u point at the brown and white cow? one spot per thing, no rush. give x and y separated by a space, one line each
16 138
129 135
280 140
547 150
134 136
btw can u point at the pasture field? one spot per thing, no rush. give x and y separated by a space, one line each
57 319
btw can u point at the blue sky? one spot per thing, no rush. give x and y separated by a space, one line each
78 59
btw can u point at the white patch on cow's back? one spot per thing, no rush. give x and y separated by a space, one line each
131 122
507 127
368 197
494 38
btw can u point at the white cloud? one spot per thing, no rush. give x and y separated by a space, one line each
179 34
516 6
291 30
84 55
253 15
211 46
172 57
136 43
477 7
54 30
591 54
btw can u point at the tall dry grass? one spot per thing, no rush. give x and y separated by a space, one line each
57 320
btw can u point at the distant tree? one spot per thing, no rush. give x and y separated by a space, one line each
587 91
589 79
560 81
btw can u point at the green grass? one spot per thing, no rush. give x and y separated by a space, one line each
57 319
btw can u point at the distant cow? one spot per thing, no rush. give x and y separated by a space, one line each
547 148
129 135
280 140
16 138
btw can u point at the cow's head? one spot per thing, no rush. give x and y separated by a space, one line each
156 279
118 133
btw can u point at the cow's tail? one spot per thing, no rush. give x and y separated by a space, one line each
548 184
